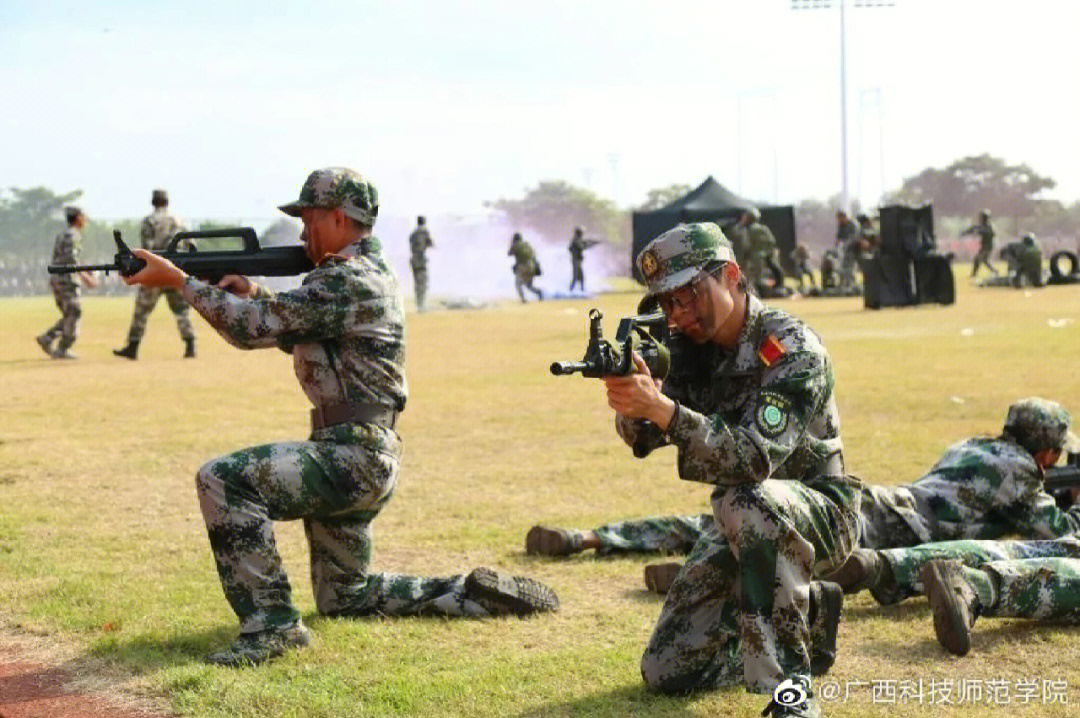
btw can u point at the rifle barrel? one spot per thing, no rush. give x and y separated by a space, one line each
72 268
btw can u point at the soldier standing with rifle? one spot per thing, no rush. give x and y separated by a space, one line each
985 232
345 330
578 245
65 290
157 229
419 242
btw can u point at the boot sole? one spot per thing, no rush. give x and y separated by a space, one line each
516 594
948 616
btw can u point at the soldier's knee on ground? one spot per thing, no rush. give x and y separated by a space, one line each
663 677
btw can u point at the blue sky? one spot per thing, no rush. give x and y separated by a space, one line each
448 104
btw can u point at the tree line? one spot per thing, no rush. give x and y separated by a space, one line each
31 218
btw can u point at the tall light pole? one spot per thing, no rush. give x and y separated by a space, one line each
825 4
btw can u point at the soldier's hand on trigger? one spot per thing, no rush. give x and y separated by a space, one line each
637 395
158 272
237 284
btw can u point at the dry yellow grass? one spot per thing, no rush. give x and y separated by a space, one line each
102 547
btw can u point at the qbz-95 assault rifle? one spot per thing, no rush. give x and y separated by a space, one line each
210 266
1059 479
602 358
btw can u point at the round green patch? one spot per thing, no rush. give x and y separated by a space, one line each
772 414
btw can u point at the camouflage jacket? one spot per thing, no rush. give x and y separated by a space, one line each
158 228
985 233
419 241
764 410
577 248
66 251
760 240
981 488
524 256
344 326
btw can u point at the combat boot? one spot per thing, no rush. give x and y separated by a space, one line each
547 541
503 594
860 572
131 351
954 602
63 353
826 605
251 649
660 576
189 348
45 343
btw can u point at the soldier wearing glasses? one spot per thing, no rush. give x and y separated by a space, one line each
748 405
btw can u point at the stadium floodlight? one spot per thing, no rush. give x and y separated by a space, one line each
825 5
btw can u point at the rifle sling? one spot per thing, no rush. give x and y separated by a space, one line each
352 412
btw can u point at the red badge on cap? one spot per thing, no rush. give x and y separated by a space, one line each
771 350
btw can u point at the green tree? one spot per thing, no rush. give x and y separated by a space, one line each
554 207
973 183
663 196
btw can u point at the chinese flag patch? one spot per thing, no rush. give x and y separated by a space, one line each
771 350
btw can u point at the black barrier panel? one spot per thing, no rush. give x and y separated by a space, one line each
888 282
906 230
934 280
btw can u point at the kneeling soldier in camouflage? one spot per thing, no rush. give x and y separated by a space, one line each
345 330
748 404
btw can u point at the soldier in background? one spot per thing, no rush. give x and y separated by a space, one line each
157 229
1029 263
419 242
869 234
848 241
985 232
578 245
345 330
760 247
800 257
65 290
526 266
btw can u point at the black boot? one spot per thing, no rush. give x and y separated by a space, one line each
189 348
131 351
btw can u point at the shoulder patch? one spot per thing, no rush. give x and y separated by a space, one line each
771 350
772 414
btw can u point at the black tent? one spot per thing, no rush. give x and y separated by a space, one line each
712 202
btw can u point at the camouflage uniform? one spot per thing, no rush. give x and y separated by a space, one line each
981 488
156 231
901 580
849 239
986 245
760 424
345 330
526 268
761 250
800 257
65 291
1029 260
419 241
578 245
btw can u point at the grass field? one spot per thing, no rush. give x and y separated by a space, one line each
104 560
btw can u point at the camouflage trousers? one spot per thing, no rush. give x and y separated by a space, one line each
145 301
905 563
881 520
577 276
523 279
847 273
658 534
982 258
420 286
66 294
336 483
737 611
1040 588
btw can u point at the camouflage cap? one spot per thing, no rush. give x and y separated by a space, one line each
335 187
1042 424
72 212
678 255
159 196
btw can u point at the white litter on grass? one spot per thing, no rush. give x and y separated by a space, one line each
1027 294
956 399
1059 323
570 311
967 332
